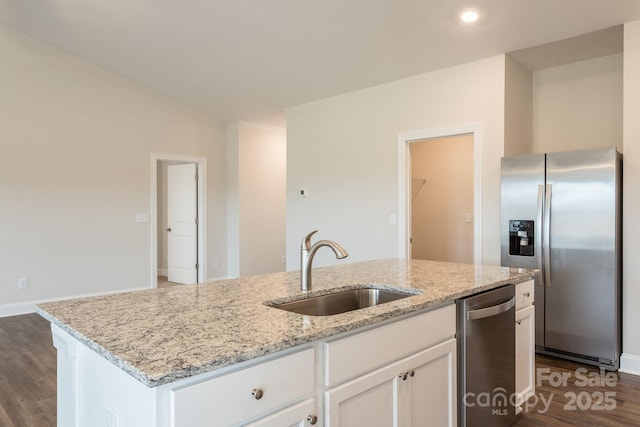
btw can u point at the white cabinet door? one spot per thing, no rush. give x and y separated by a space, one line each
345 359
429 394
292 416
419 390
525 353
370 400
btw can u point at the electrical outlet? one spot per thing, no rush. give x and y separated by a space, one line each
111 416
284 259
23 283
214 263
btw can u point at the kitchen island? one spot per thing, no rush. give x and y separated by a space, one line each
147 347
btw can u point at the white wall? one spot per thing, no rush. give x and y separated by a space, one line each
438 228
76 144
257 176
518 108
631 205
578 105
262 177
343 149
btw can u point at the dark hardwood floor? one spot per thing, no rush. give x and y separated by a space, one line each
569 393
27 372
28 385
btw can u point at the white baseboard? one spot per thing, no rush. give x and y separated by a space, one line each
27 307
630 364
16 309
163 272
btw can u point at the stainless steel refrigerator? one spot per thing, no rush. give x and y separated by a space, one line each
561 214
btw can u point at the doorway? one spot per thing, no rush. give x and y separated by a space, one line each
441 226
406 186
187 260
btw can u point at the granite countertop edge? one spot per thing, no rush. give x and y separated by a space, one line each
380 313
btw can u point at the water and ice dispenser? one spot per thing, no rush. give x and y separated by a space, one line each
521 237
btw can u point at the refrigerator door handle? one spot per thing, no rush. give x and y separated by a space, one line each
538 232
547 236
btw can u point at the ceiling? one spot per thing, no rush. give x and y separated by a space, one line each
252 59
574 49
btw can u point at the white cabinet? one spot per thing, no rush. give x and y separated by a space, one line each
430 393
525 342
237 397
398 374
299 415
370 400
405 391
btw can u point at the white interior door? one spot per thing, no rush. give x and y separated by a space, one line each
182 209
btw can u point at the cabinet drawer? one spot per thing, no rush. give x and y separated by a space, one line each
354 355
524 294
292 416
228 399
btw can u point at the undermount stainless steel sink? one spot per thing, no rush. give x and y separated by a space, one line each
341 302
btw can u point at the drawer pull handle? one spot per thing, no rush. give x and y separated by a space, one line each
527 294
406 374
257 393
312 419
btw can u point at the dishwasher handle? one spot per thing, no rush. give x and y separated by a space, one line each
494 310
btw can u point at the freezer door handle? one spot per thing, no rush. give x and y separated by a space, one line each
538 232
494 310
547 237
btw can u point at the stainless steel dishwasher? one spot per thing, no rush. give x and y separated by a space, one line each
486 358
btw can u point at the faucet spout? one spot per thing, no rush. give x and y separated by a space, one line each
308 251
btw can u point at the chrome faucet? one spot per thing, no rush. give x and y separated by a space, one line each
306 257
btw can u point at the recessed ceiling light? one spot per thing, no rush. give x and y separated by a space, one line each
469 16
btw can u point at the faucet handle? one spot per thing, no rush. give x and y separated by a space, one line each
306 242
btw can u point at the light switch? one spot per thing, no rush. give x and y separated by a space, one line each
467 217
142 217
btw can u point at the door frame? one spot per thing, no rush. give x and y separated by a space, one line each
201 164
404 183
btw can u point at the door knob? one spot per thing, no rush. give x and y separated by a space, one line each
168 228
312 419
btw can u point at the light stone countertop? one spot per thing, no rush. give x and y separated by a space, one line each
162 335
